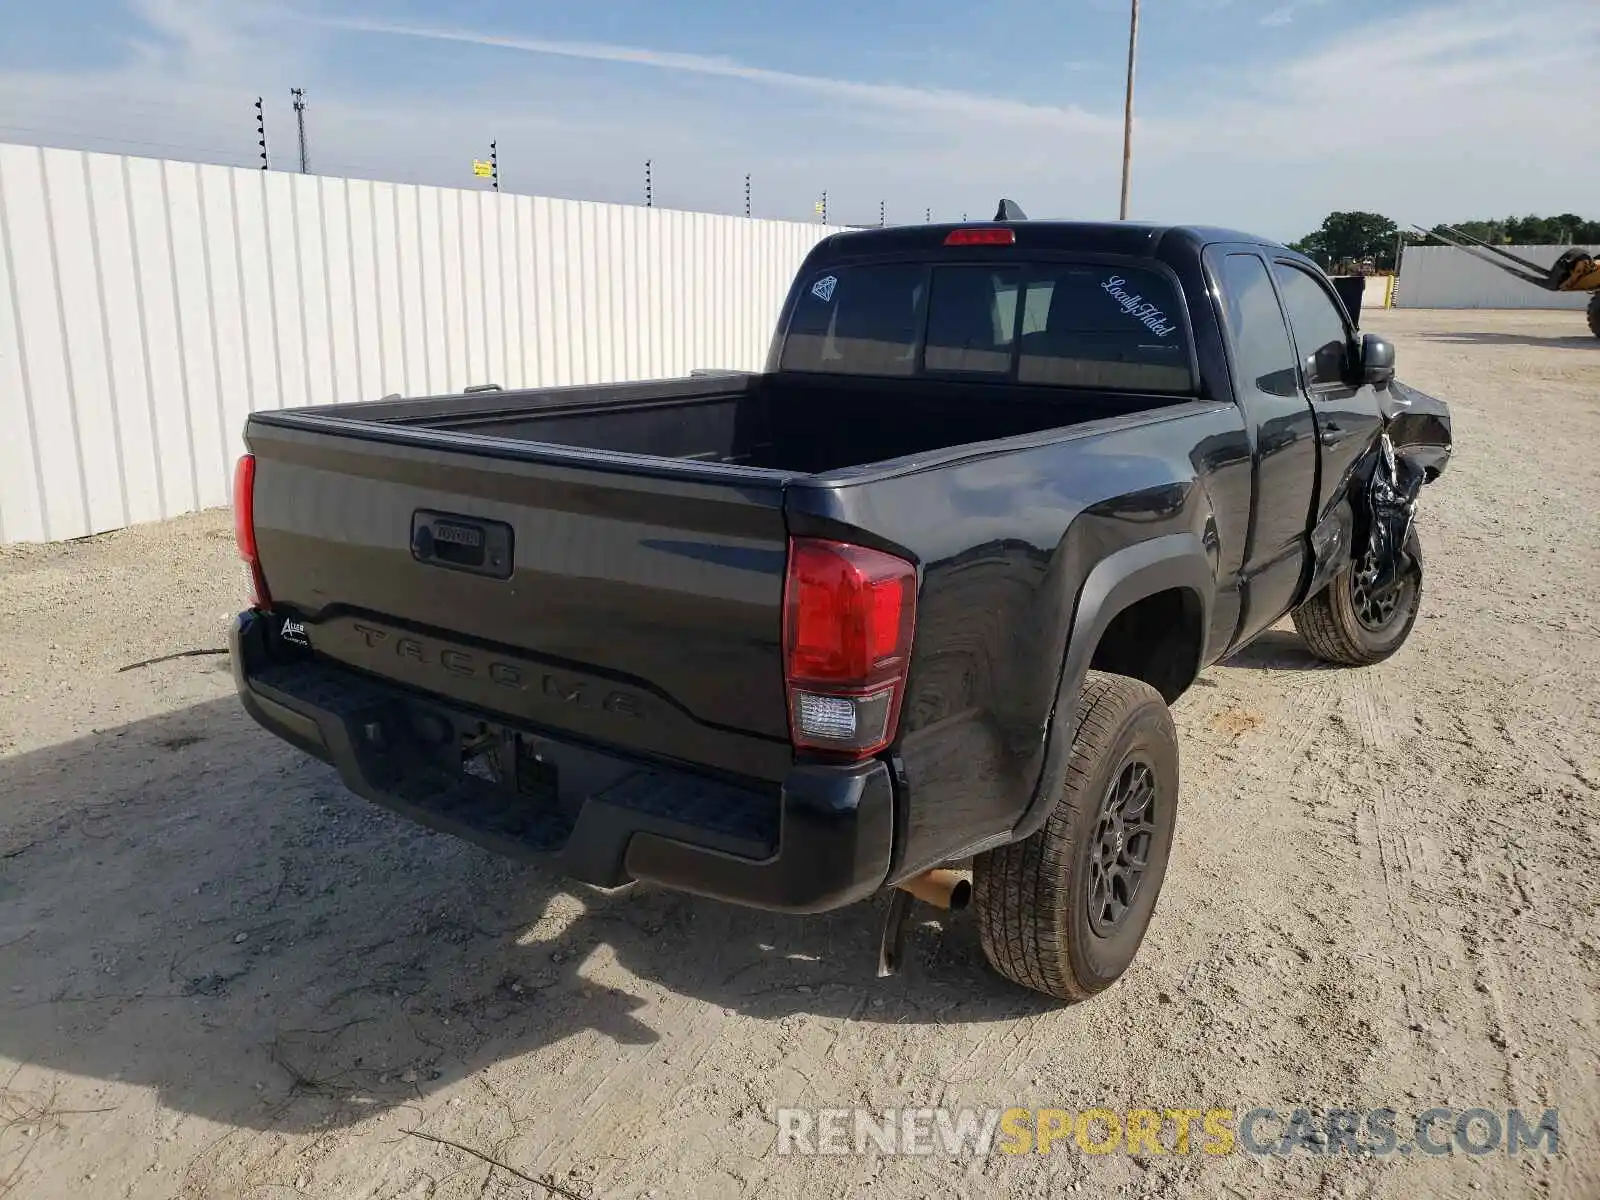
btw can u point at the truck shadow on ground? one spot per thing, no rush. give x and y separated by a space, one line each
1464 338
1276 650
188 905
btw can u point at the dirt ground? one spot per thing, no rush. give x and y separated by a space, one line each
222 975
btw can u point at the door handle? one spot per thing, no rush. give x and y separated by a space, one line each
1330 433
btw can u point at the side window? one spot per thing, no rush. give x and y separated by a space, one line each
1261 347
1318 327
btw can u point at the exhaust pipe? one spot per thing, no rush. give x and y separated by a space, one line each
941 888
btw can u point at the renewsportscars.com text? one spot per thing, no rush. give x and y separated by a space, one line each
966 1132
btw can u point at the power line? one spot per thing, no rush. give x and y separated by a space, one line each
230 154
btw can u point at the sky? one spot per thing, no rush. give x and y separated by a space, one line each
1256 114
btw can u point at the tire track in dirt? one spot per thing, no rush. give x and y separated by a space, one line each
1368 694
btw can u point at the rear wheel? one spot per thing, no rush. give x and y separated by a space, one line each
1063 912
1353 623
1594 314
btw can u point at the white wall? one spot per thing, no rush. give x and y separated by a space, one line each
146 306
1449 277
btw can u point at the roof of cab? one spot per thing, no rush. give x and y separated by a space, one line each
1104 237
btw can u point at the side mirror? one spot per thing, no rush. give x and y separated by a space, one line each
1377 360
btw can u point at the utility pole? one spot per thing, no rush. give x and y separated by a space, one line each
927 216
299 95
883 214
261 132
822 208
494 165
648 197
747 195
1127 110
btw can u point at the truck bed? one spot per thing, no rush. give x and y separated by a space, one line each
605 562
788 421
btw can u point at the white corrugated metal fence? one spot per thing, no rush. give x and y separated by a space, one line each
146 306
1449 277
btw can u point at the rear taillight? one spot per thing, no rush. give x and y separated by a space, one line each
244 527
849 616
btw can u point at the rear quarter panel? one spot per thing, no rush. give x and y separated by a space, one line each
1005 539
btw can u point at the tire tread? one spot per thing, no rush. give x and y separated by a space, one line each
1021 890
1323 633
1327 622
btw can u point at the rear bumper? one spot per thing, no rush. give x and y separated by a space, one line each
820 841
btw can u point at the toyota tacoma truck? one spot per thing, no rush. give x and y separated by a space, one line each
916 596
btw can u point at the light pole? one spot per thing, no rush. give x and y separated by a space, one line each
1127 111
299 95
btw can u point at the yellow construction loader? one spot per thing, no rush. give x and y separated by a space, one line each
1577 270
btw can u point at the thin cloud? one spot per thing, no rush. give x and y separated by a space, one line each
1269 144
1445 72
897 97
1285 14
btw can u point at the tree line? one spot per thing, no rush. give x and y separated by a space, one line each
1351 240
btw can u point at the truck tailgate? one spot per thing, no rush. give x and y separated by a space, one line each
631 603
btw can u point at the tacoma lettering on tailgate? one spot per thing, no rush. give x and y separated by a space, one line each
501 672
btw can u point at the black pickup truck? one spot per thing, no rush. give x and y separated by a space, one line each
920 593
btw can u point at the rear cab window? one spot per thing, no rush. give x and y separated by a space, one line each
1056 324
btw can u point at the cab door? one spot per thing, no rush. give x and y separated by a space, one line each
1347 415
1282 431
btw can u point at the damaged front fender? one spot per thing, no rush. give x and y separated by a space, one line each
1418 426
1414 450
1369 529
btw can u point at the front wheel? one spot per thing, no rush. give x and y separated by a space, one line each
1063 912
1354 624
